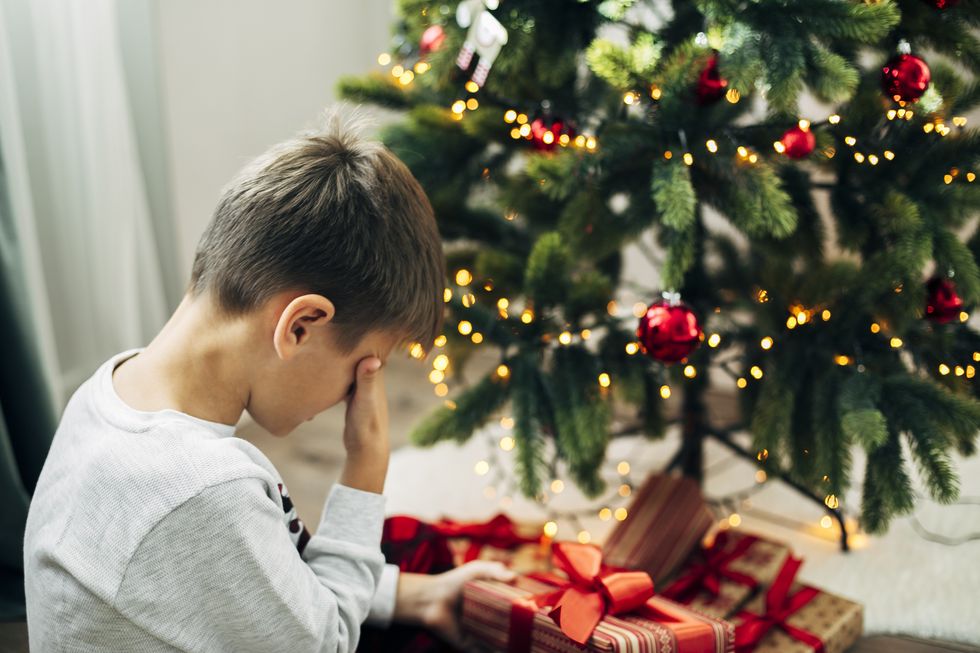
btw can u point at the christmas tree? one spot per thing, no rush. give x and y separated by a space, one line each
551 134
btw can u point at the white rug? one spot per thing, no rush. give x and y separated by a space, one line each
907 584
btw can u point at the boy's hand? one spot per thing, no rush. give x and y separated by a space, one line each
366 429
435 601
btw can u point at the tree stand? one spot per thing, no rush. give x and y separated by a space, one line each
690 455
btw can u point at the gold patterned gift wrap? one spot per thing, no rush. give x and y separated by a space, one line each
722 577
791 617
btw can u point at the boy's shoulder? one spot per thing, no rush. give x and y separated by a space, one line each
102 490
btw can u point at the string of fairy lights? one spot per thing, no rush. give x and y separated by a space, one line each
799 315
521 126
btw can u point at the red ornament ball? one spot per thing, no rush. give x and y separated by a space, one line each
905 77
798 142
710 87
668 332
432 39
546 133
942 303
942 4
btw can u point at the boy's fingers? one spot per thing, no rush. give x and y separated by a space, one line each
369 366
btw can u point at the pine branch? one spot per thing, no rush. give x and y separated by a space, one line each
546 280
887 487
474 407
529 440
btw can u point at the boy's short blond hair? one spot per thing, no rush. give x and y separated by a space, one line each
332 213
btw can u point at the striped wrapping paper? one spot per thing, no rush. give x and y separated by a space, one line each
665 524
486 620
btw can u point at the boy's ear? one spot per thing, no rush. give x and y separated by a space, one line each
296 321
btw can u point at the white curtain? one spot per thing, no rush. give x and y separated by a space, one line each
81 217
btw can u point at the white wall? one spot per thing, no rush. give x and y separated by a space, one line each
240 75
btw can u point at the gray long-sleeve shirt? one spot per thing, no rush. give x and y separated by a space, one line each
160 531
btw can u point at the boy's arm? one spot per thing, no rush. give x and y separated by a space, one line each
220 572
383 603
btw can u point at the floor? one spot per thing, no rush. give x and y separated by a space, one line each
13 639
311 458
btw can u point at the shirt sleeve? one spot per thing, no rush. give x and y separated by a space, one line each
383 604
220 573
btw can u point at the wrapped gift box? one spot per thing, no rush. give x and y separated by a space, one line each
791 617
722 577
543 612
665 523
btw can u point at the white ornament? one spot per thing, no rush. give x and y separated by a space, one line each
485 36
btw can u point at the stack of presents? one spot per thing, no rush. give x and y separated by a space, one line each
655 586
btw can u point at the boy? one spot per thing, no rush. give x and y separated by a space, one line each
154 528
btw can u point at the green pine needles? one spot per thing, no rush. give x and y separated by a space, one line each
808 273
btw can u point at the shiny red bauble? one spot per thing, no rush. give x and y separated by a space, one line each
432 39
546 133
798 143
710 86
668 332
942 303
905 77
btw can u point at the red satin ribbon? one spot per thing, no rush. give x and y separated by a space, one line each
592 591
421 547
779 607
707 575
499 532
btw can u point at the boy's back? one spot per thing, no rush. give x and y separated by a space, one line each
140 520
152 527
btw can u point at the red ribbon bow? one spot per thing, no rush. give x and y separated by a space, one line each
591 592
708 574
779 607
